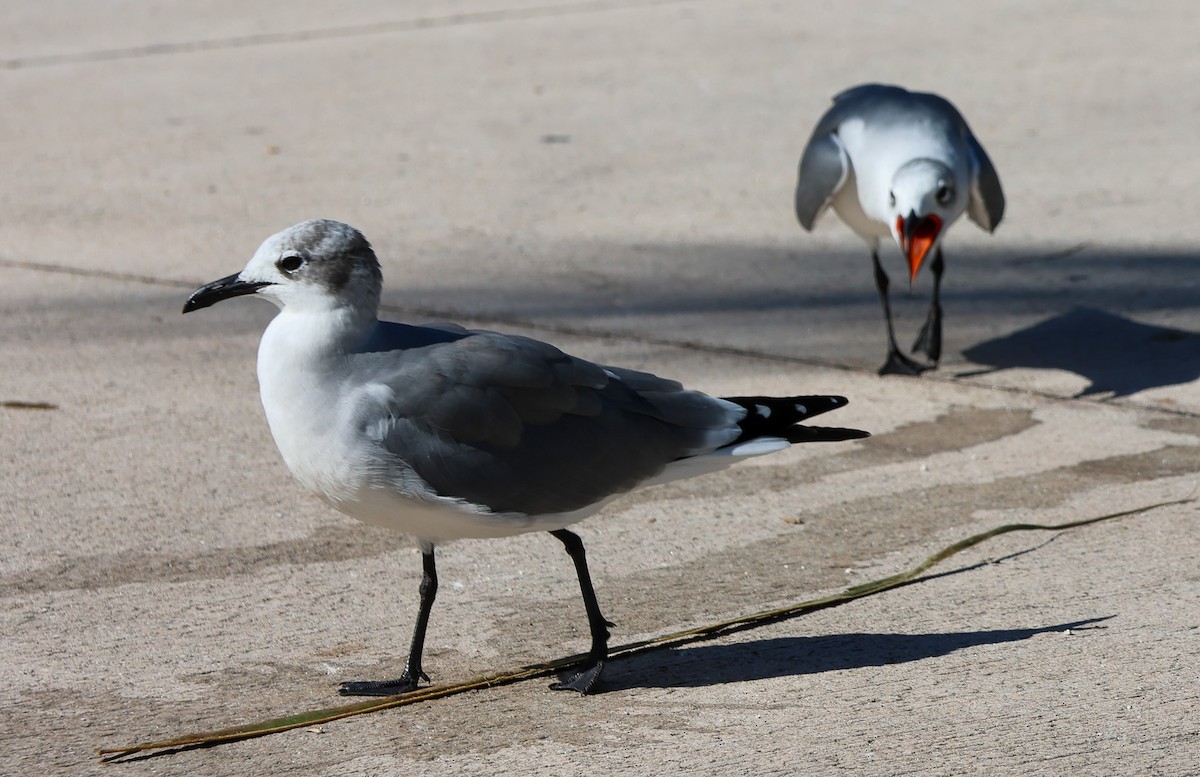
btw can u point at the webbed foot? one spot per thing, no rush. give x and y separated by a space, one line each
899 364
582 681
402 684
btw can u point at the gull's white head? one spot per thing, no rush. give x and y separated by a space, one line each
923 201
314 265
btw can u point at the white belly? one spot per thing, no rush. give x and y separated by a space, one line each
435 519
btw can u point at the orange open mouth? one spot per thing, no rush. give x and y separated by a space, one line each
917 240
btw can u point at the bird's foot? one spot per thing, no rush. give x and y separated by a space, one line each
583 680
929 339
402 684
899 364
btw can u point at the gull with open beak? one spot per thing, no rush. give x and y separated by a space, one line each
904 164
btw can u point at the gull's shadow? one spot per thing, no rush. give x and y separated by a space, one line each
1115 354
704 665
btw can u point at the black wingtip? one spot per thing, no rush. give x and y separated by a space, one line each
816 405
798 434
796 409
781 417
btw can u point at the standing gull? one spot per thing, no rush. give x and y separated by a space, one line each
447 433
905 164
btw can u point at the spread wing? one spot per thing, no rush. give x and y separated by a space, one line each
986 205
823 169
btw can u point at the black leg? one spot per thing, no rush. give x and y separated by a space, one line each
412 667
929 340
583 680
897 363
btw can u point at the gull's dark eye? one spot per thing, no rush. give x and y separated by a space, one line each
944 194
892 199
289 264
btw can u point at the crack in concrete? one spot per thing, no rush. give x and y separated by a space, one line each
331 33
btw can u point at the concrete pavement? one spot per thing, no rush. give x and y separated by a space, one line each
614 177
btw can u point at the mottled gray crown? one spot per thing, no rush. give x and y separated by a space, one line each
336 253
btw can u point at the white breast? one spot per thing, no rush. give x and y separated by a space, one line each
302 396
876 153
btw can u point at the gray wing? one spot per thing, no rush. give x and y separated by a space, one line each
824 167
986 205
518 426
393 336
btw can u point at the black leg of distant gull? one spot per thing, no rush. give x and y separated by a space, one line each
412 667
930 338
897 363
586 677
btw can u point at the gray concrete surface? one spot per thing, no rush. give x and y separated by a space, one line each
615 177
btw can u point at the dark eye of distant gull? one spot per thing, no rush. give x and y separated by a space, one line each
290 264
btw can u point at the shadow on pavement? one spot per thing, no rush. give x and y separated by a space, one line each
610 279
704 665
1115 354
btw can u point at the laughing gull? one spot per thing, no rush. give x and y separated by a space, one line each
905 164
448 433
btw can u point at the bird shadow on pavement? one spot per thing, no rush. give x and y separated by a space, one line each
705 665
1114 354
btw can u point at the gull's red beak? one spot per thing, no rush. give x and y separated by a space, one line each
917 235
